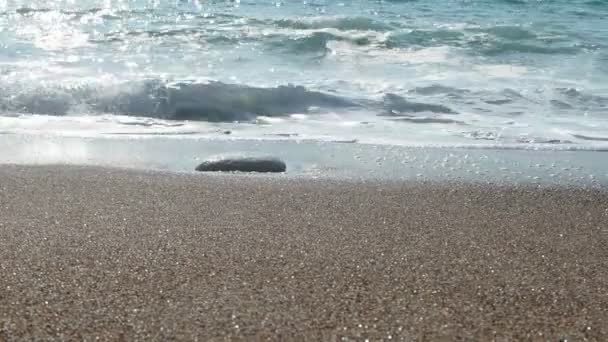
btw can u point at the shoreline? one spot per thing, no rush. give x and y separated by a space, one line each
359 162
92 252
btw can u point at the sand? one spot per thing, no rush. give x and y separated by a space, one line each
89 253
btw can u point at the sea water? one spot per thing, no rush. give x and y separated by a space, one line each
516 74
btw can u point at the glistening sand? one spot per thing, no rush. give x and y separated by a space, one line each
91 252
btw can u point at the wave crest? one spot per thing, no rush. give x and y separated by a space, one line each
340 23
213 101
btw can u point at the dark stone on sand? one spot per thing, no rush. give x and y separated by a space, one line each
243 164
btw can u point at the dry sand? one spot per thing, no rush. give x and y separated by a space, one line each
87 253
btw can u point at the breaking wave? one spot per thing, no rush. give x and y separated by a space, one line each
340 23
396 105
213 101
316 42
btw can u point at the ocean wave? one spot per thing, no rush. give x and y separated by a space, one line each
113 13
427 120
289 41
597 3
560 104
316 42
510 32
438 89
340 23
121 36
397 105
213 101
28 10
423 38
514 2
582 97
197 35
491 41
570 98
104 13
589 138
508 47
296 36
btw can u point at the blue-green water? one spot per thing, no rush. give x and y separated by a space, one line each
511 73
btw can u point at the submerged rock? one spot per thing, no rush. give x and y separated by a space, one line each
243 164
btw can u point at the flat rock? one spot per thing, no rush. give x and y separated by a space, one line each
243 164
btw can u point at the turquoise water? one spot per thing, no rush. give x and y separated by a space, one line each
516 73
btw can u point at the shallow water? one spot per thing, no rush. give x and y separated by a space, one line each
508 73
317 159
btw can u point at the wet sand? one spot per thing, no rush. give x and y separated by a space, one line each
91 253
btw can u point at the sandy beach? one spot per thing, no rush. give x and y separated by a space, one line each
89 253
